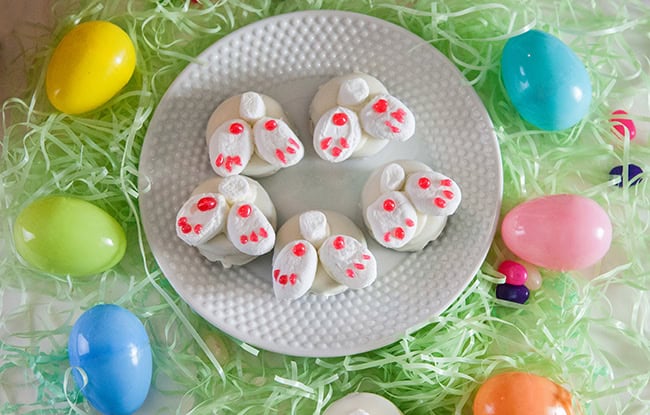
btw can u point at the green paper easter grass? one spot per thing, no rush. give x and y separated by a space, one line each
436 369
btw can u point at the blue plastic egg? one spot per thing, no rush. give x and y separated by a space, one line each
545 80
110 345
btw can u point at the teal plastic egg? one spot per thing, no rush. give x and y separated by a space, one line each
68 236
110 346
545 80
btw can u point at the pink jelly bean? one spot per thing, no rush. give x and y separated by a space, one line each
622 124
516 274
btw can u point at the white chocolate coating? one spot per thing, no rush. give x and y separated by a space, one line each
230 109
338 224
219 248
362 403
428 227
326 98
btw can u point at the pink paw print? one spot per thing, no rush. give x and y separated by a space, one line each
231 147
348 261
392 219
387 117
337 134
249 230
276 143
433 193
294 270
201 217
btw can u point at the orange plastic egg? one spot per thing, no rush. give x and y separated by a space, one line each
518 393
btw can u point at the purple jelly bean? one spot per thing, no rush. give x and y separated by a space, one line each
515 293
632 171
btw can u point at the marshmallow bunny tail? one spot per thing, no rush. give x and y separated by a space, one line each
387 117
231 147
392 178
337 134
433 193
251 106
201 217
353 92
294 270
314 227
276 143
392 219
348 261
237 189
249 230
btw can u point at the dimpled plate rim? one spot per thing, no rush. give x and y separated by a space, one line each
287 57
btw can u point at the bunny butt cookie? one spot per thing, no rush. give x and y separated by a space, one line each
354 116
230 220
323 252
249 134
362 403
406 204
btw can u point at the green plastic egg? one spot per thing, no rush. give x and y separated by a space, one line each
64 235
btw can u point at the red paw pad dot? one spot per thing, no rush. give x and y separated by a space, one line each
206 203
245 211
338 243
299 249
270 125
236 128
424 182
380 106
389 205
339 119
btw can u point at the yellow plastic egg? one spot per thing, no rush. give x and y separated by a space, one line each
89 66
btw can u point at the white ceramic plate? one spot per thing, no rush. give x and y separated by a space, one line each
287 57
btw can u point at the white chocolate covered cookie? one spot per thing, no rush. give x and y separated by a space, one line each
354 116
250 134
231 220
406 204
362 403
323 252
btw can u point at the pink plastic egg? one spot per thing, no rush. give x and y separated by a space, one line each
560 232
